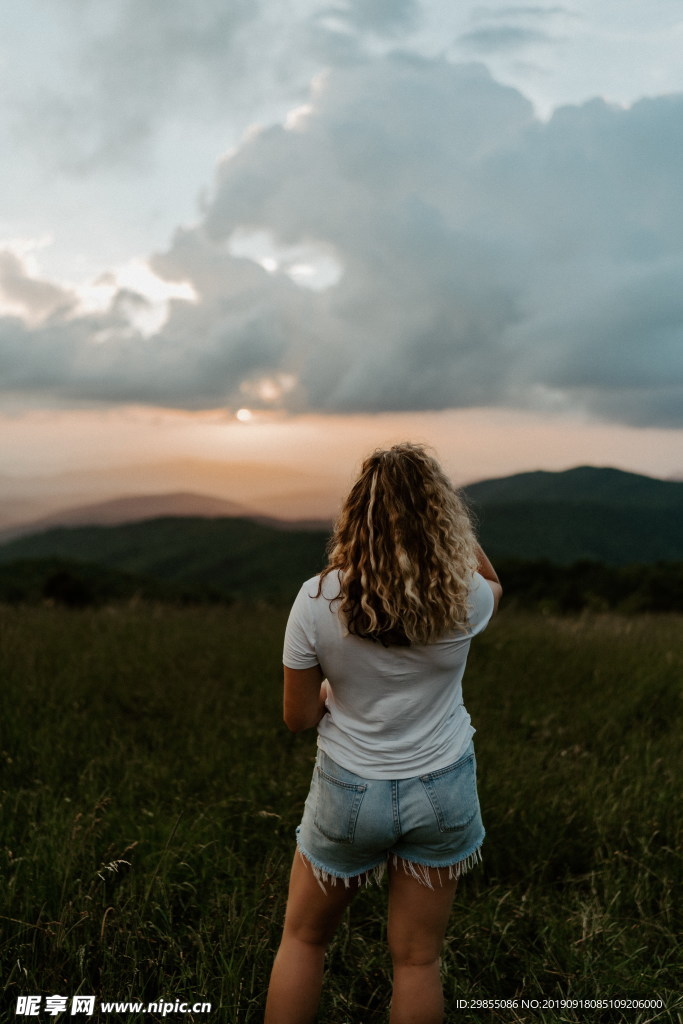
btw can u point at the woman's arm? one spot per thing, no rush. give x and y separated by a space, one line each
485 569
304 701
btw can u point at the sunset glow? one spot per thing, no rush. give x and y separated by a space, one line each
296 467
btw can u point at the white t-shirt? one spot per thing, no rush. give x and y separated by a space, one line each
394 712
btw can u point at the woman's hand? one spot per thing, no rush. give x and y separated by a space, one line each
485 569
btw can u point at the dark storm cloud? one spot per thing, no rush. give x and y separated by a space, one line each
485 258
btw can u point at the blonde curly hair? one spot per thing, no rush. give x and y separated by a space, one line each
405 550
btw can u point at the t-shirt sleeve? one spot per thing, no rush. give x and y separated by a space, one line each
481 604
299 647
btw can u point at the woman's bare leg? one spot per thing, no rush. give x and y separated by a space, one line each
418 918
311 920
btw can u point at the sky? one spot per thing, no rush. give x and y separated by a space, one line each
243 244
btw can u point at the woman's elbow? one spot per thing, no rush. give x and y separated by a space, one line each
293 724
296 721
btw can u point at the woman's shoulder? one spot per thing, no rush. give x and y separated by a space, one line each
327 586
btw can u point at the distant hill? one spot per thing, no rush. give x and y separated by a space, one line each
239 557
603 515
585 484
128 509
599 515
136 508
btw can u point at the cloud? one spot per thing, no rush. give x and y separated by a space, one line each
507 29
133 69
498 38
385 17
482 258
520 11
23 293
136 69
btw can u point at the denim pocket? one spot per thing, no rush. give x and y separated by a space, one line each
337 806
452 792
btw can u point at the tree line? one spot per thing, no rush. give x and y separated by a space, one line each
534 585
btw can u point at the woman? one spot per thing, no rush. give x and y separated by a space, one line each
375 650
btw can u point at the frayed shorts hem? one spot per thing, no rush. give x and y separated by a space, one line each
416 868
419 869
323 874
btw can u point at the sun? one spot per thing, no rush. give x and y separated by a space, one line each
244 415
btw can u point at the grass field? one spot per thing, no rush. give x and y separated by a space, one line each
150 792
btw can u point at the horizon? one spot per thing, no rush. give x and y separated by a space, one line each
108 506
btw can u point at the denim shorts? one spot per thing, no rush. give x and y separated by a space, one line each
352 825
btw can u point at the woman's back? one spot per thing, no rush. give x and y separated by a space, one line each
394 711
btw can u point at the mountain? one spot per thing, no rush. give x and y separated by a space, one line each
584 484
587 513
590 514
267 487
136 508
130 509
235 556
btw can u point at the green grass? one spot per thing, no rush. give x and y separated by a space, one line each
150 792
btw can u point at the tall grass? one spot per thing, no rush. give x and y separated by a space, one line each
150 792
